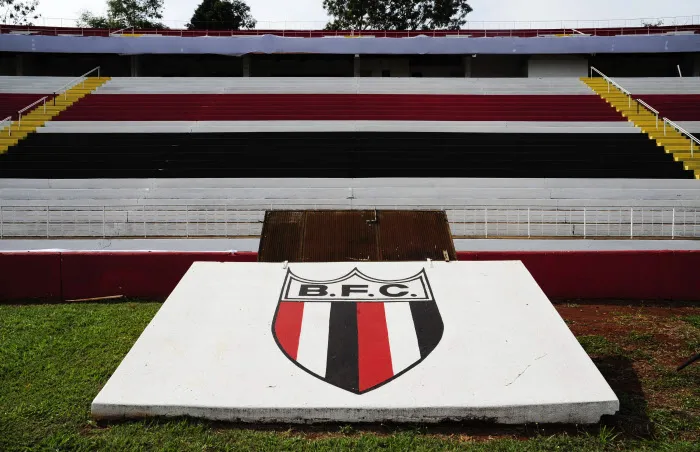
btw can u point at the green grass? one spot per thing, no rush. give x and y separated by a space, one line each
55 358
599 346
693 320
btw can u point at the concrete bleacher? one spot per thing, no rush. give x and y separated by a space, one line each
32 85
100 172
678 99
342 85
339 154
345 193
339 127
235 207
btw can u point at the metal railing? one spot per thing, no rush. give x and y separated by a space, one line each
19 113
613 83
7 122
64 89
650 108
187 221
693 139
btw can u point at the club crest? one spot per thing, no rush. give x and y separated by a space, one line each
357 332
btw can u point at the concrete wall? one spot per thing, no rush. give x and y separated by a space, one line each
557 66
668 275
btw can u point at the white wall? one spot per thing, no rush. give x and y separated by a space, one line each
557 66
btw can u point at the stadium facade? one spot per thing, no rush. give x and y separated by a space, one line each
585 133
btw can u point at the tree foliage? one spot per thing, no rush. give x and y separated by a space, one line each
396 14
126 14
18 12
221 15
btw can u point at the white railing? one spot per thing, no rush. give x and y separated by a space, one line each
19 113
613 83
7 122
187 221
650 108
64 89
640 22
693 139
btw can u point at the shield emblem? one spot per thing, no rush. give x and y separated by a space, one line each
357 332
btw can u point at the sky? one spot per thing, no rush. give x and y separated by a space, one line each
310 13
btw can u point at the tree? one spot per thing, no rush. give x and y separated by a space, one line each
221 15
396 14
126 14
18 12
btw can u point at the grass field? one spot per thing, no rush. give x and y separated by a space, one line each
55 358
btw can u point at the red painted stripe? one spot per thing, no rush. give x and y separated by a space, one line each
374 355
288 326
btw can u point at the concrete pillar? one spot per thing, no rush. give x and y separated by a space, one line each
467 63
356 66
246 65
135 72
19 64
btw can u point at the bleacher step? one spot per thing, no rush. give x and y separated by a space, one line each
46 112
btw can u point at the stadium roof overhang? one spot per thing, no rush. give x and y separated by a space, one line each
270 44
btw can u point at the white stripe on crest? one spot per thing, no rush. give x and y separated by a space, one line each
313 339
403 340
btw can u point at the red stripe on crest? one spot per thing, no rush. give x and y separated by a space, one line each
288 326
374 354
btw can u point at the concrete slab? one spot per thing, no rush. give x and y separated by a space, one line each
358 342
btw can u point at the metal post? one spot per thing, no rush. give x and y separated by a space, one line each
631 223
673 224
486 222
464 221
584 222
692 148
528 222
664 127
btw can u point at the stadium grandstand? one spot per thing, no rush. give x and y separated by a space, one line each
556 133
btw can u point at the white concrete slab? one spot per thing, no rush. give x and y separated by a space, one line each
490 346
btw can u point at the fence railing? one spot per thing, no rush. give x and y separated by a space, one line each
233 221
633 26
612 82
650 108
691 137
20 112
7 122
64 89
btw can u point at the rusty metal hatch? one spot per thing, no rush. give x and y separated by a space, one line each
355 235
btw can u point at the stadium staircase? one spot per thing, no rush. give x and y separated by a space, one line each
44 112
672 141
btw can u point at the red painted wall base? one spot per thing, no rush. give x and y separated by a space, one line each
56 276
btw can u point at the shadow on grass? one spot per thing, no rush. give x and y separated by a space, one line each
632 420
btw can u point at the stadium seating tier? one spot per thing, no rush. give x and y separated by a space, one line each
323 155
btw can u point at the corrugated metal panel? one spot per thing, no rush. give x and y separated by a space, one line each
355 235
415 236
281 238
340 235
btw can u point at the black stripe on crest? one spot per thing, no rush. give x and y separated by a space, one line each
342 367
429 326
